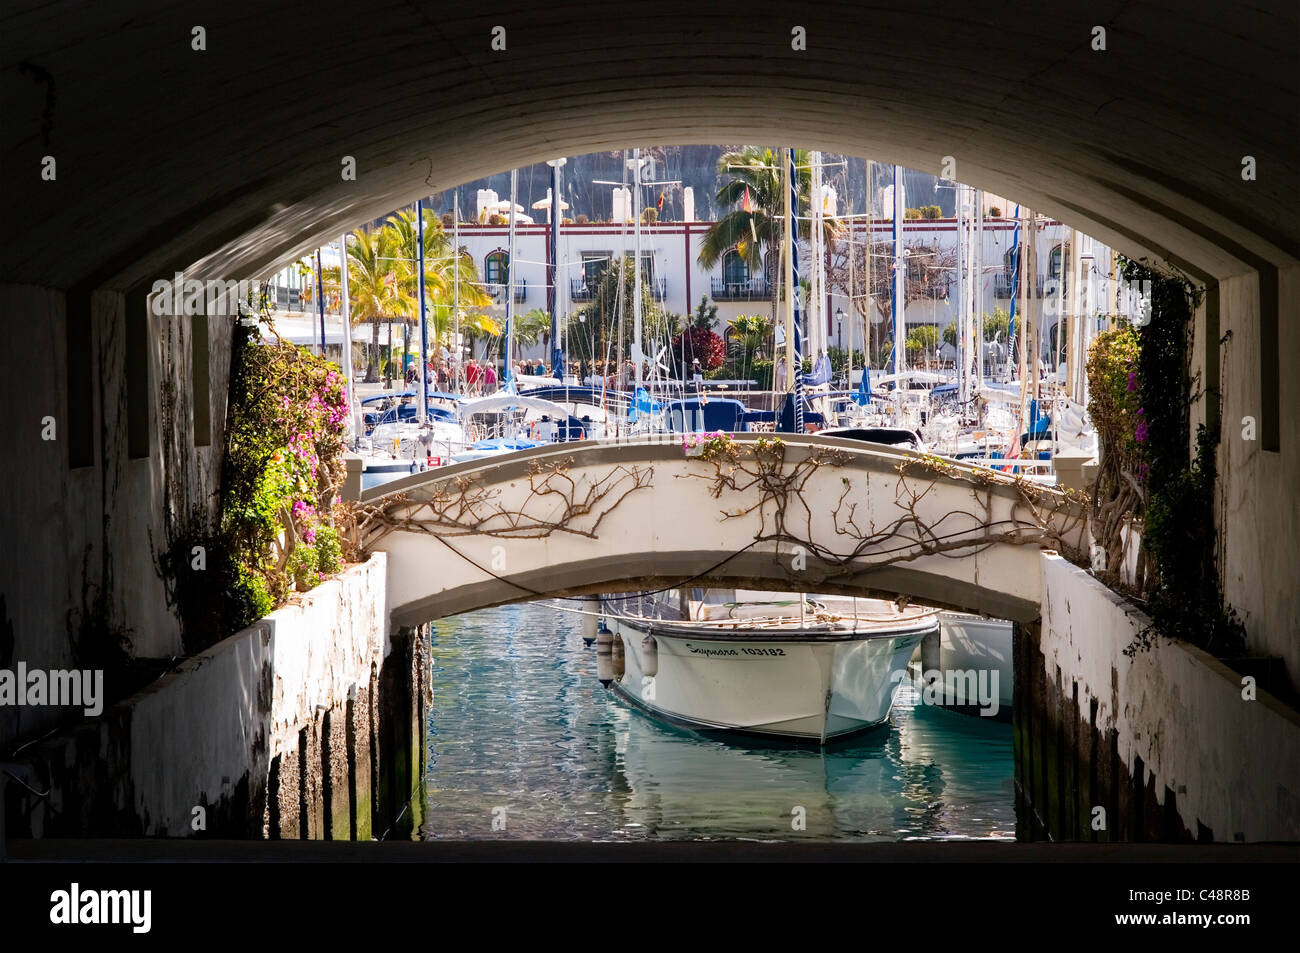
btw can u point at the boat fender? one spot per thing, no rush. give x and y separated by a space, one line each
605 657
619 658
649 656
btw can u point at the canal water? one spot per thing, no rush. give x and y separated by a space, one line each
523 742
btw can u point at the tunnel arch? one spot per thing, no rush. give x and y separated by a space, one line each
226 164
1140 145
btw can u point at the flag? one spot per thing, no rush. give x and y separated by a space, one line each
660 205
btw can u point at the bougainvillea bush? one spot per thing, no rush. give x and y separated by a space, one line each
282 470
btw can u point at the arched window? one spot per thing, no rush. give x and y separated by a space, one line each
496 267
735 270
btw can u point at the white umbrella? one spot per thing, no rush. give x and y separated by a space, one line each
546 202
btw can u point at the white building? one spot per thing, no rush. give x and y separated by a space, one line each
670 254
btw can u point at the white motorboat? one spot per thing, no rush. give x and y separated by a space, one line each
973 643
776 665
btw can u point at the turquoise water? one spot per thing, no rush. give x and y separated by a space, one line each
522 734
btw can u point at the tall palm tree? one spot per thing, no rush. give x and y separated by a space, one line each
751 232
374 293
443 271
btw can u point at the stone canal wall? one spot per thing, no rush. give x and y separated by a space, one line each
1163 743
305 725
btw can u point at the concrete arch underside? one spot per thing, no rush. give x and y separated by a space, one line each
1140 144
226 163
816 515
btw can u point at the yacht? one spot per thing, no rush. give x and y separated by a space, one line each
778 665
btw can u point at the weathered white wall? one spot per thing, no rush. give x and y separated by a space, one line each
82 544
223 715
1257 493
1235 764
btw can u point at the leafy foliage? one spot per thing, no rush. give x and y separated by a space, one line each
922 341
696 343
282 467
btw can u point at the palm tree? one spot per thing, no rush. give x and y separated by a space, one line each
384 283
533 327
758 172
443 271
374 293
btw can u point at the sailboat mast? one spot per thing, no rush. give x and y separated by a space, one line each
557 358
978 282
899 289
816 277
796 371
853 253
455 287
963 335
423 411
507 374
636 270
354 405
787 247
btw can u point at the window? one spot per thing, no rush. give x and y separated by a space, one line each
496 268
593 263
1009 262
735 270
1054 266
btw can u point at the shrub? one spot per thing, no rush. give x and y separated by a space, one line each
282 467
329 552
699 344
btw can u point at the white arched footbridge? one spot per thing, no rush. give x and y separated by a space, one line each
813 513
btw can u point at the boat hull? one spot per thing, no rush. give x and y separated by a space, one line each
973 643
794 688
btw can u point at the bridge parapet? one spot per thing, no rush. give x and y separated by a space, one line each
804 512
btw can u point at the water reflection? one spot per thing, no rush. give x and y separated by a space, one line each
522 733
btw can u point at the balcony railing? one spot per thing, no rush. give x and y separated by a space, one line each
753 289
579 290
498 291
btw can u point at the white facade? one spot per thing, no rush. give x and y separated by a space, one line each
673 248
672 251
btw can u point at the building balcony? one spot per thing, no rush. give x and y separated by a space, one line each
1002 286
579 290
752 289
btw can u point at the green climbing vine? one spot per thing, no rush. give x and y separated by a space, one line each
1151 471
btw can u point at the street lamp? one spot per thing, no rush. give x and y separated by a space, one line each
839 328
